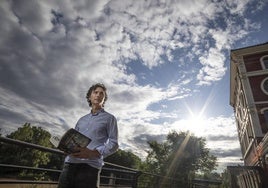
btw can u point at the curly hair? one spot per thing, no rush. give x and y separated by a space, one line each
93 88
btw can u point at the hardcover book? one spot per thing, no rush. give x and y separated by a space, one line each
70 141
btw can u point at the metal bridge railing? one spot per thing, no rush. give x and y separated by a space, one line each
112 175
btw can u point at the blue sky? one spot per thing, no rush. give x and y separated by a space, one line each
165 64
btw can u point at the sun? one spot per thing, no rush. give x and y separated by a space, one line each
196 124
196 119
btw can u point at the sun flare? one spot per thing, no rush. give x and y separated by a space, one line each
196 120
196 124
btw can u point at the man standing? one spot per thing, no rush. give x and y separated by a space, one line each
82 169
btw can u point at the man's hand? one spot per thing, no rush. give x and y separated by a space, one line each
86 153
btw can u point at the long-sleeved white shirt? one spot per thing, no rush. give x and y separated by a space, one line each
101 128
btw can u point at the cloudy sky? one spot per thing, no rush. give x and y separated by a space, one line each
165 64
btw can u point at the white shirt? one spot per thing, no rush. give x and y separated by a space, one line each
101 128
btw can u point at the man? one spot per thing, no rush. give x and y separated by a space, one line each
82 169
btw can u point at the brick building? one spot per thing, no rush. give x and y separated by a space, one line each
249 99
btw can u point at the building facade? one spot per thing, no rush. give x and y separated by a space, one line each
249 99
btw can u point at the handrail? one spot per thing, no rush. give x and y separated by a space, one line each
118 168
30 145
27 182
29 168
131 180
123 167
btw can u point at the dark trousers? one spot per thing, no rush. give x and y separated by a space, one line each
79 176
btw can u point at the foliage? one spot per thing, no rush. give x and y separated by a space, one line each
22 156
225 179
124 158
179 157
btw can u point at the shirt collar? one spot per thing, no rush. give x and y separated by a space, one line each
99 111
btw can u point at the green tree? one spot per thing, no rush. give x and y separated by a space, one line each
124 158
179 157
225 179
14 154
27 156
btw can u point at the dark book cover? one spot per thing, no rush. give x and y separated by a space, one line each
70 141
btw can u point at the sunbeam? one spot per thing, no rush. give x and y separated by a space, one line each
176 160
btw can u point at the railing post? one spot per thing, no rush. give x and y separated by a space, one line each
136 177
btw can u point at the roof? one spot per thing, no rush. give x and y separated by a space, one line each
249 46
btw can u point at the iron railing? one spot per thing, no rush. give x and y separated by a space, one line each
112 175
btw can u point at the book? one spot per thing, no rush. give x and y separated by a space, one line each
70 141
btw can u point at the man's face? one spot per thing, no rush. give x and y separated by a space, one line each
97 96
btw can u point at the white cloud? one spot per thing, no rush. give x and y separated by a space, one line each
52 53
221 38
237 6
213 67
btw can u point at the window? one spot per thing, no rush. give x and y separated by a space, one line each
264 62
266 158
265 113
264 86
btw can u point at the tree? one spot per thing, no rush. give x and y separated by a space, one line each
124 158
225 179
179 157
21 155
14 154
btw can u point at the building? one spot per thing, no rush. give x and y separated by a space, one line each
249 99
